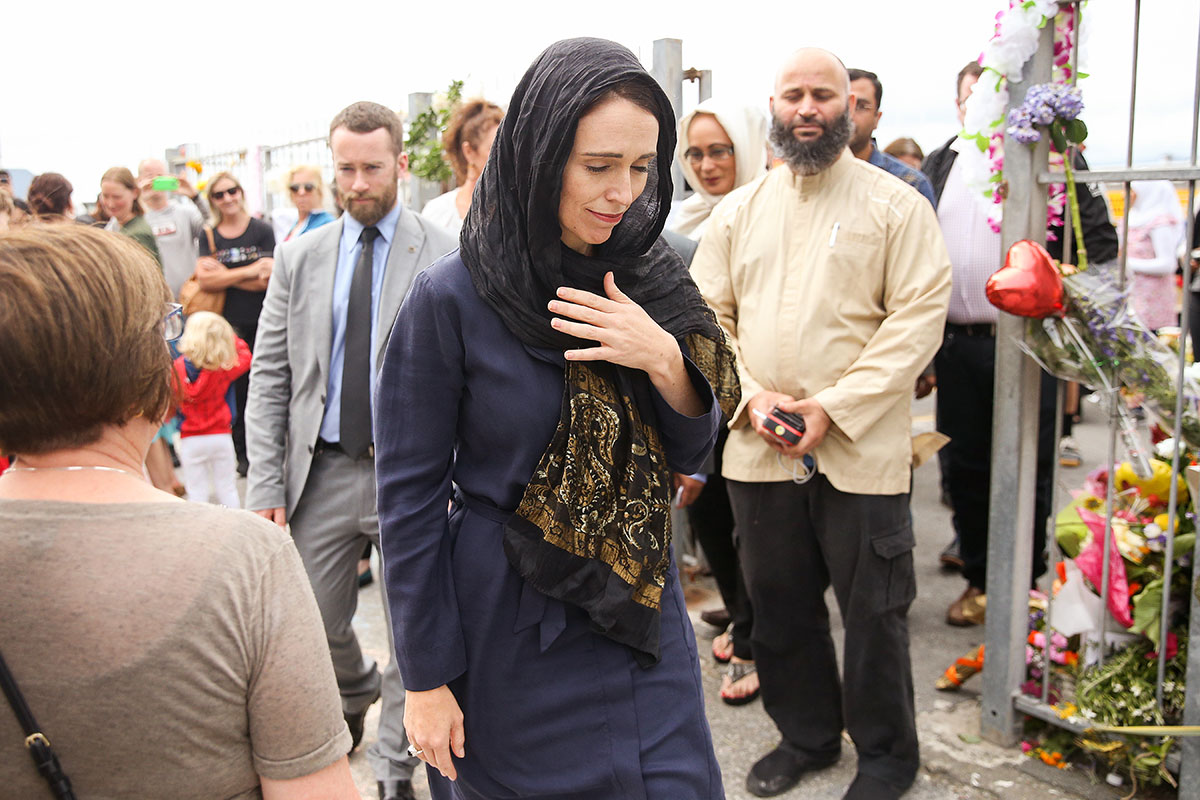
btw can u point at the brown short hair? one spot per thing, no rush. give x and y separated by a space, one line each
124 177
50 195
467 124
364 117
972 68
904 146
81 310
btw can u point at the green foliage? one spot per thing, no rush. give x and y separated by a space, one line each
1147 608
423 143
1076 131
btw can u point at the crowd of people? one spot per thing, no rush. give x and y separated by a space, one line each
505 394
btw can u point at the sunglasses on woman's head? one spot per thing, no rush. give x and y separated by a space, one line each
308 187
236 190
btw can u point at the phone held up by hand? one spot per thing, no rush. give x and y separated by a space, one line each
165 183
785 426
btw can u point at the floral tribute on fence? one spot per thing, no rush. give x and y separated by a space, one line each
1094 643
1013 43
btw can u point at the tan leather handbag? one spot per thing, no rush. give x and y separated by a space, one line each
193 298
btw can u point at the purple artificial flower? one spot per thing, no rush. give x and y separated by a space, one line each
1040 103
1068 103
1020 127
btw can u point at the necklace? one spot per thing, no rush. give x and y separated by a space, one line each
73 469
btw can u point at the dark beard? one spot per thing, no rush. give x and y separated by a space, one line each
809 158
370 213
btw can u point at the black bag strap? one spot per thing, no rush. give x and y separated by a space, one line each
35 741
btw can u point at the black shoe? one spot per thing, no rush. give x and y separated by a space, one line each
867 788
717 617
365 578
780 770
395 790
355 722
951 558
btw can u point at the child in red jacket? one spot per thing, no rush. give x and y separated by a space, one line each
213 358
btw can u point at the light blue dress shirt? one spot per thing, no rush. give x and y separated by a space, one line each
348 250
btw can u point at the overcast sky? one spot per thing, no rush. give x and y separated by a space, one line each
101 85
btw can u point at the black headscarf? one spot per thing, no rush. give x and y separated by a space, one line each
593 528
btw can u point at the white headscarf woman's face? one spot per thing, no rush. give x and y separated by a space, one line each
711 155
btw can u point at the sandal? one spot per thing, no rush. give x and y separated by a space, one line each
737 671
722 647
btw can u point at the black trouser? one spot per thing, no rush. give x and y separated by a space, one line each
966 381
795 541
241 388
711 519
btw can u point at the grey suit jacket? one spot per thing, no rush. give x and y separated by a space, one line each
290 370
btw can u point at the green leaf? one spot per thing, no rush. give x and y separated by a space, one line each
1069 530
1077 131
1056 136
1184 543
1147 606
1082 75
970 738
981 142
997 178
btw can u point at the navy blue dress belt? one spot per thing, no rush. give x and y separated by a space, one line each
482 507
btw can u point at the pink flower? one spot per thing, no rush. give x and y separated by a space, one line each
1172 648
1090 562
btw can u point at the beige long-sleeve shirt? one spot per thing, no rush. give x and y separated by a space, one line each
832 286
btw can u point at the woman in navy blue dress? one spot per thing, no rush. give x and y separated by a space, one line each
548 376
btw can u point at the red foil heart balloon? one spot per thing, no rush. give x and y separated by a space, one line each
1028 285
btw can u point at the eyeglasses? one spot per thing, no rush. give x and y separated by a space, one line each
173 322
234 192
717 153
296 187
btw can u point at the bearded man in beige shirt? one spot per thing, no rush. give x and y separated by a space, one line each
831 278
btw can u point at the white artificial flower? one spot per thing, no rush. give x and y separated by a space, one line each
1047 8
1135 690
1165 449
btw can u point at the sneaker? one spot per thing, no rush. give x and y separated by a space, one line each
1068 452
951 557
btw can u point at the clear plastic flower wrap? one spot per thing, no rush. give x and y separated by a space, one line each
1100 343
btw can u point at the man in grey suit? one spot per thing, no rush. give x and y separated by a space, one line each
330 305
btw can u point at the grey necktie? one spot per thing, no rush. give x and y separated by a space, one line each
356 432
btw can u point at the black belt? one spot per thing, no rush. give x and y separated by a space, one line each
985 330
323 447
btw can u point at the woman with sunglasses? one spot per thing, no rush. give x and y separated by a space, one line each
241 265
307 190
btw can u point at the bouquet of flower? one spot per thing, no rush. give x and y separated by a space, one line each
1100 343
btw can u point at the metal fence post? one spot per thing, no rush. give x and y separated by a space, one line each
1014 438
668 71
420 191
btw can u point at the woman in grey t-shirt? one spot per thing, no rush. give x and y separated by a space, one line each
167 649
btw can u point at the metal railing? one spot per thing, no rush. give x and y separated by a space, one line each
1015 431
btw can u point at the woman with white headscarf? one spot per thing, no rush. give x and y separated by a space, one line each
1156 227
721 146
